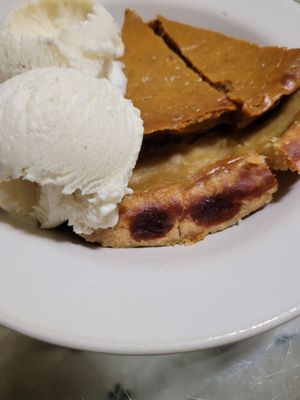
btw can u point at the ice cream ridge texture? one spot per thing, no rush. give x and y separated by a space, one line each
69 140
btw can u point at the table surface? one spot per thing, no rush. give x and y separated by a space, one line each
266 367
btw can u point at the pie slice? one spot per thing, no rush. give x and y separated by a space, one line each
189 186
170 96
183 191
253 77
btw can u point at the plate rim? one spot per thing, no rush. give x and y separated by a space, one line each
78 343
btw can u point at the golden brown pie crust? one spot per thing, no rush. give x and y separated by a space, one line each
180 195
185 214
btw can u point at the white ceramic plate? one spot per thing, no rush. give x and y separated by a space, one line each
231 286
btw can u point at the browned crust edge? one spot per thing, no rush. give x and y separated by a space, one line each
200 125
183 214
287 149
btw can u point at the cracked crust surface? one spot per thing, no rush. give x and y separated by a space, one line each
170 96
253 77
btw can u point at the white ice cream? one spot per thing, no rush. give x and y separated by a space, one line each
79 34
68 145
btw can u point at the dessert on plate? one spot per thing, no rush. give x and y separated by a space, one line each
185 190
220 115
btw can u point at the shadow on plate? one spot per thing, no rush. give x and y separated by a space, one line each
286 181
60 234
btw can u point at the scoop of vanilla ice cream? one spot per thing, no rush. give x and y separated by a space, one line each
79 34
68 145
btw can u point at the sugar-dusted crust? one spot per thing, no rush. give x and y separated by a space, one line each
253 77
170 96
184 212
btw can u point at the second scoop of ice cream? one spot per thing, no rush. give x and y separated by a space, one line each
68 145
78 34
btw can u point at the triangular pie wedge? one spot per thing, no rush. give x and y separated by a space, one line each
170 96
253 77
